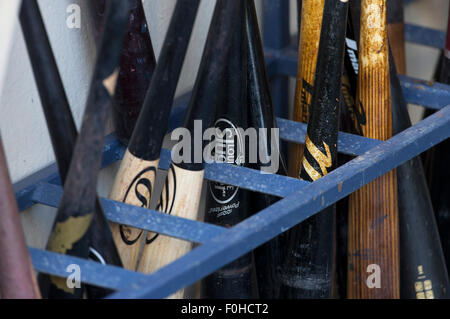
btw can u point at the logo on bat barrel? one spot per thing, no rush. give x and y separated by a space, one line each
166 200
229 149
141 189
323 160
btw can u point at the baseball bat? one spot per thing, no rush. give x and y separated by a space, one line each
423 273
396 33
227 205
17 278
311 22
61 125
136 176
373 232
436 160
262 117
137 65
310 259
70 231
181 192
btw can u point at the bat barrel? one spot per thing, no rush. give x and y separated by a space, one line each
71 229
137 66
226 205
310 260
60 123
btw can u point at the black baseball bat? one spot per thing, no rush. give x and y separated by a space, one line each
423 273
437 172
261 116
62 127
137 66
227 205
70 231
308 270
181 192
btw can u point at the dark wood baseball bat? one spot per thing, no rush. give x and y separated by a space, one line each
135 179
423 273
373 239
62 129
70 231
227 205
268 257
181 192
137 66
311 23
308 270
17 278
396 33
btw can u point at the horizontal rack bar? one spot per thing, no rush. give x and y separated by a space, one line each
425 36
138 217
92 273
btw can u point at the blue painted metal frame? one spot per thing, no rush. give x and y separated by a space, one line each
299 199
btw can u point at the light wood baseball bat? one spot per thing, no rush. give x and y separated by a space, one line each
423 271
135 179
182 188
373 239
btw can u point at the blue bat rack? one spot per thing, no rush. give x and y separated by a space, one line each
300 199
